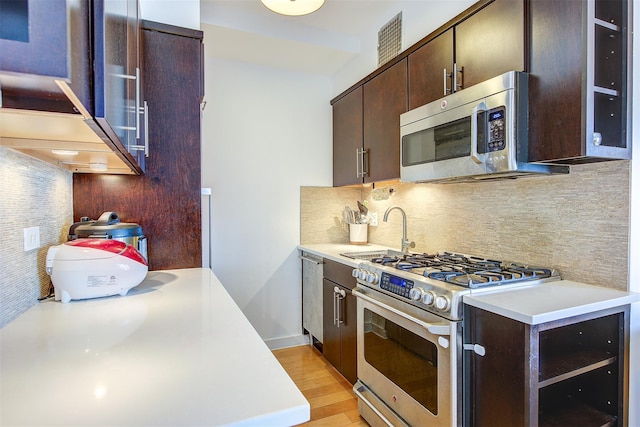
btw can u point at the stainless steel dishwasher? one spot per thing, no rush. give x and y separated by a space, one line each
312 297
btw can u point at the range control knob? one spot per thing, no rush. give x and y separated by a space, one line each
362 274
428 298
372 278
442 303
415 294
354 273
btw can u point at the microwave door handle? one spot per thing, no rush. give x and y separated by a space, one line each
474 132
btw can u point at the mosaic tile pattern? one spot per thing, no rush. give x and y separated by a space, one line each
577 223
33 193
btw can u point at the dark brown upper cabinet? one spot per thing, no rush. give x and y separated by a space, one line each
384 99
487 43
76 61
366 129
427 69
347 139
119 105
578 101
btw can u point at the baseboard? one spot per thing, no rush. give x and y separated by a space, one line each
293 341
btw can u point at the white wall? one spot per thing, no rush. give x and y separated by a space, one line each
266 132
182 13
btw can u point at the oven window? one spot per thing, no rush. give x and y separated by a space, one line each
448 141
405 358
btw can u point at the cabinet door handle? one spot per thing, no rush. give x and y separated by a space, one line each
457 86
145 147
335 309
146 129
365 154
338 295
360 155
138 109
445 75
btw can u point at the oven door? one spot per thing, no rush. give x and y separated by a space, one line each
408 362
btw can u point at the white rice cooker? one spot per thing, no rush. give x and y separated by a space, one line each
92 268
108 226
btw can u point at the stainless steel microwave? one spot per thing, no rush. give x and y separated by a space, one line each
474 134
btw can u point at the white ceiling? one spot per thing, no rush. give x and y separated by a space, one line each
321 42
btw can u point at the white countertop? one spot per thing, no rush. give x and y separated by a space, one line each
550 301
175 351
332 251
535 304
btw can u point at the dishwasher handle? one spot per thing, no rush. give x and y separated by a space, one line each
312 260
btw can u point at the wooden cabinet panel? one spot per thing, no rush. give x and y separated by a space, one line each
565 372
578 100
556 80
347 138
349 339
340 343
426 70
385 98
331 344
166 201
339 273
30 50
491 42
496 383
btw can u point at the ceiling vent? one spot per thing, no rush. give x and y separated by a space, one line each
390 40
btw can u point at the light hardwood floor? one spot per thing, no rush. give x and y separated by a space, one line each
332 401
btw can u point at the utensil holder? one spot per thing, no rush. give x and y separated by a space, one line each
358 234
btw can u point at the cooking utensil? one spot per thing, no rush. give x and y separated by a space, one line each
363 209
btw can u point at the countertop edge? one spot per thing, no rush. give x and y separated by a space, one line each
498 302
332 251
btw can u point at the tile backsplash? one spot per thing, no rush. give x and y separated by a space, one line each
576 223
33 193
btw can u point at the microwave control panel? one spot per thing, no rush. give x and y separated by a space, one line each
496 133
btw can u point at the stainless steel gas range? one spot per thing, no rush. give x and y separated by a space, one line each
410 320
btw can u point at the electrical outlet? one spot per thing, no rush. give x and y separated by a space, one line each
374 219
31 238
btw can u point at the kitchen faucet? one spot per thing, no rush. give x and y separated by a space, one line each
406 244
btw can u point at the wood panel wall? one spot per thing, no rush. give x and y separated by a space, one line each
166 200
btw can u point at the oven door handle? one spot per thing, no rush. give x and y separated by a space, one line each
434 328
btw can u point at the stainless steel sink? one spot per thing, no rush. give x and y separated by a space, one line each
369 255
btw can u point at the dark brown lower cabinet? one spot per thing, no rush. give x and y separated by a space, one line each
568 372
339 319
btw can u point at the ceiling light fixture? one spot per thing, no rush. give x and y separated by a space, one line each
293 7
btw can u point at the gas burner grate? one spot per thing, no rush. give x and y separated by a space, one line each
464 270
